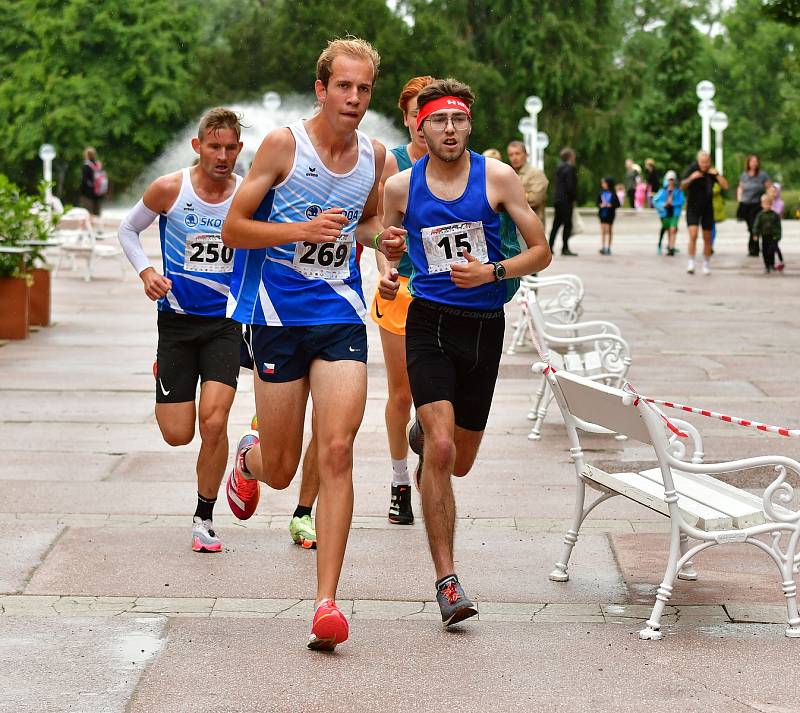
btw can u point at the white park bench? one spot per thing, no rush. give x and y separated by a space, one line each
560 298
594 349
702 510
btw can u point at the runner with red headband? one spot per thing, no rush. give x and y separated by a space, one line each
449 202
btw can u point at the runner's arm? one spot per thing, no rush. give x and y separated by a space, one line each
507 193
392 239
271 165
395 193
158 198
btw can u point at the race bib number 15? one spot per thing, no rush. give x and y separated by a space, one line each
205 252
445 244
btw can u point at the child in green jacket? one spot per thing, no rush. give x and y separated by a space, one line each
767 226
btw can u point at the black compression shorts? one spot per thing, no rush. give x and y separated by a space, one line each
454 355
192 347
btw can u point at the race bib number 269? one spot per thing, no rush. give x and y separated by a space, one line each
445 245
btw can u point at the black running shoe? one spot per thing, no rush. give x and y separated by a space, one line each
400 512
453 603
416 442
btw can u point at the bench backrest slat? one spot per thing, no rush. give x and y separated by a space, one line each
602 405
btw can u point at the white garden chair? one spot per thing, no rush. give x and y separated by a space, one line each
78 238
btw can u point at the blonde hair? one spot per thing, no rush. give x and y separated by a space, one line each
350 46
220 118
493 153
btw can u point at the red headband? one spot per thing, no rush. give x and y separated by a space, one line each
439 105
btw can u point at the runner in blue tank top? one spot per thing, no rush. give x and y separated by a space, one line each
450 202
390 316
311 192
195 339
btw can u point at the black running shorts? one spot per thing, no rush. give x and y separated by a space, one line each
704 217
192 347
454 355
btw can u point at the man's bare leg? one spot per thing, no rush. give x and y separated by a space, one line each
216 400
339 390
449 450
275 460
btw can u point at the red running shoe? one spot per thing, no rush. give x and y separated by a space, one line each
243 493
329 627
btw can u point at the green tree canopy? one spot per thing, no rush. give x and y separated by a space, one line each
115 75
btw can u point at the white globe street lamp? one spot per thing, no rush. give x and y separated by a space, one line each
271 101
47 153
533 105
705 93
719 122
525 126
543 141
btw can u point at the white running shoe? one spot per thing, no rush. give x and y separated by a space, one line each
204 539
706 268
690 267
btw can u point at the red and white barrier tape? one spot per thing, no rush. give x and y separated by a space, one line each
763 427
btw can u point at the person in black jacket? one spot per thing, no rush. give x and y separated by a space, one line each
566 189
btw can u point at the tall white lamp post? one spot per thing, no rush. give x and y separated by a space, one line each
542 141
47 153
719 122
705 93
533 105
526 126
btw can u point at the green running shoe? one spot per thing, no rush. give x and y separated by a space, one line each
303 533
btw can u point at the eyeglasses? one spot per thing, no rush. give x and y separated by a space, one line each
438 122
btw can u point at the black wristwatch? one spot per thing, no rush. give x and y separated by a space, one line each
499 271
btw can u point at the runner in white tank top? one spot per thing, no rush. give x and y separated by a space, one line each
325 356
195 339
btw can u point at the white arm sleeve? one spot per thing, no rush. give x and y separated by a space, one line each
139 219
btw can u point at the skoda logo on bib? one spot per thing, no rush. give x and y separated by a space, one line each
313 211
191 220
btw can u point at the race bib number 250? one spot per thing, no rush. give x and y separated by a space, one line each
445 245
205 252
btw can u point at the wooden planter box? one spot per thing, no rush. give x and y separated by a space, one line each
39 299
14 297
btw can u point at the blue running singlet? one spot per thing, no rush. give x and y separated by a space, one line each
439 229
301 284
193 254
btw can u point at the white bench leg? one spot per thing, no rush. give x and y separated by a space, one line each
537 399
519 338
559 573
652 632
687 572
541 412
790 592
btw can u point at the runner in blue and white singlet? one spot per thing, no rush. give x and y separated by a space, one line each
193 255
196 341
310 194
302 284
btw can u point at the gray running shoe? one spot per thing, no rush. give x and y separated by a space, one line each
416 442
453 603
204 539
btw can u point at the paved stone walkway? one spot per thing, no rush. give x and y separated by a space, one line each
103 607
